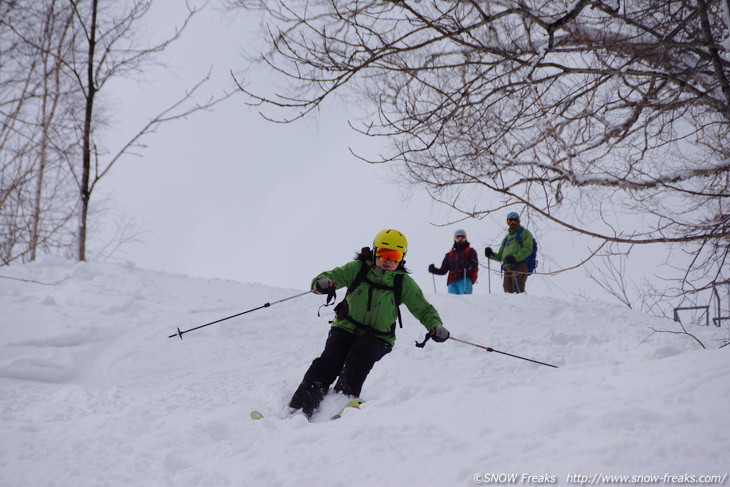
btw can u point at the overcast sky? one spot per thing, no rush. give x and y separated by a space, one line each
226 194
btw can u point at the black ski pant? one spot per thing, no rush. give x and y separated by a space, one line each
346 356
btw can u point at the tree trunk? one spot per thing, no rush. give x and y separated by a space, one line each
45 124
84 189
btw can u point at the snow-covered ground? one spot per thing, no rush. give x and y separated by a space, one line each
94 393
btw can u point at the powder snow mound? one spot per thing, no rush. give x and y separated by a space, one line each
93 392
565 333
63 325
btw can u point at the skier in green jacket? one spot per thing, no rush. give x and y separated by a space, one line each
512 253
364 328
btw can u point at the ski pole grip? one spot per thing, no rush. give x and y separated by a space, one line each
178 334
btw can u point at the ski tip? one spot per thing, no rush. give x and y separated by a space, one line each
255 415
352 404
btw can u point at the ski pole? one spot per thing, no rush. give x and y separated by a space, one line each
181 333
517 284
490 349
489 274
434 284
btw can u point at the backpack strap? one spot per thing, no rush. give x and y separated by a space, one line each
518 237
398 291
359 278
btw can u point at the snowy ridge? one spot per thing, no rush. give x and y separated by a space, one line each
94 393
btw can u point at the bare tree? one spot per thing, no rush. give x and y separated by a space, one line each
70 51
584 111
32 126
111 49
56 22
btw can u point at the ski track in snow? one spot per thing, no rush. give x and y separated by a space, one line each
93 393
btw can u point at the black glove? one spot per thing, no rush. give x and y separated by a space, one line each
440 334
324 285
488 252
432 269
510 261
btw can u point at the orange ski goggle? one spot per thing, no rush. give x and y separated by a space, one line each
388 254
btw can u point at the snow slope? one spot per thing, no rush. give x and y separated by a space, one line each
94 393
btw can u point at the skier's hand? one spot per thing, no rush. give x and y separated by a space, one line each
439 334
432 269
510 261
324 285
488 252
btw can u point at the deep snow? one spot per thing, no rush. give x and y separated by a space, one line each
93 393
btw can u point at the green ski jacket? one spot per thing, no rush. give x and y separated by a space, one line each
511 246
376 307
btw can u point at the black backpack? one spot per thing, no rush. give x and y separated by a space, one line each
342 310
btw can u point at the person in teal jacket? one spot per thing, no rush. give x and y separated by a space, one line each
363 331
512 253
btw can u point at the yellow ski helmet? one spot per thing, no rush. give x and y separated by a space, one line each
391 239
